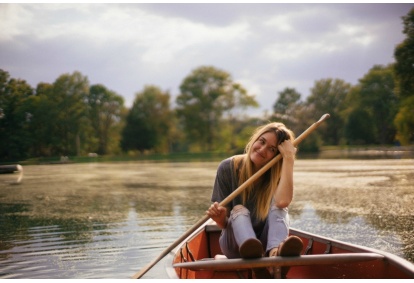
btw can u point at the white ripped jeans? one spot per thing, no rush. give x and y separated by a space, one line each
239 229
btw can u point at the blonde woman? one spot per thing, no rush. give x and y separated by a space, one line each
256 222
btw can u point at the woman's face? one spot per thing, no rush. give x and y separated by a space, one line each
263 150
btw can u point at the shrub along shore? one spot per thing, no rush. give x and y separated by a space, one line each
328 152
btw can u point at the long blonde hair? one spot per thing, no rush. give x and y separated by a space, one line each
269 180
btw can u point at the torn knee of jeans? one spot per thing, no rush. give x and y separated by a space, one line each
273 206
279 211
239 210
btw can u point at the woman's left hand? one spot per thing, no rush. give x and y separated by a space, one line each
287 149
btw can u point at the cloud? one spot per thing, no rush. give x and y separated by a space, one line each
266 47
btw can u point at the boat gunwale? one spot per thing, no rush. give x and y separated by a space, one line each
398 262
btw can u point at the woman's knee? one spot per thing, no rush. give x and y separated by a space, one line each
239 210
279 212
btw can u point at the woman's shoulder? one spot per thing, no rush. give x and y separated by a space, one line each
228 163
231 158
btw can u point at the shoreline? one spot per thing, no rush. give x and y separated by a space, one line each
326 152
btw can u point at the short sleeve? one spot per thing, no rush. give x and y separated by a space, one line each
223 183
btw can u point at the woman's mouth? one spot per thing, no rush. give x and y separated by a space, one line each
258 153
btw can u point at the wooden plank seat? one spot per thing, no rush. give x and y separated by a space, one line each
319 259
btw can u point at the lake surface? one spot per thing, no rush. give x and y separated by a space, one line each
109 220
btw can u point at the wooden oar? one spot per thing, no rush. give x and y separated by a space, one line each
229 198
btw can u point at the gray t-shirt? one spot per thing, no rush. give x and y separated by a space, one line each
225 183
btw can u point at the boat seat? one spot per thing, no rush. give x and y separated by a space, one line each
319 259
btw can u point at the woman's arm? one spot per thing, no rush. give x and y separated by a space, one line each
222 188
284 192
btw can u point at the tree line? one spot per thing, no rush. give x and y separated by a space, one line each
70 117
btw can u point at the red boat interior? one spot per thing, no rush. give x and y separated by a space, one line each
335 260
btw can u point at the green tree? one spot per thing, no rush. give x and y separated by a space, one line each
378 98
371 107
42 125
148 121
328 96
404 121
286 106
206 95
359 128
14 117
104 111
404 73
69 94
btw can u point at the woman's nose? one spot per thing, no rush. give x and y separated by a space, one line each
262 149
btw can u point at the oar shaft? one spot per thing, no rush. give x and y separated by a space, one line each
229 198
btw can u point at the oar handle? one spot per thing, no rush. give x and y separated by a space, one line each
309 130
229 198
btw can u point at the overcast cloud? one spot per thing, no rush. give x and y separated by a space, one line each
265 47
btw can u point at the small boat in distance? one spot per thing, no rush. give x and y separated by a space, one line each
321 258
10 169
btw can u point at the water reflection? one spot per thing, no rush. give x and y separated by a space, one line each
354 229
109 220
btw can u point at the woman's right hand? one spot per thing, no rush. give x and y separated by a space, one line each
218 214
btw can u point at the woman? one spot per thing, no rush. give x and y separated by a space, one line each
256 222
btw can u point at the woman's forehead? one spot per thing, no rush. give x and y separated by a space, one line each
270 137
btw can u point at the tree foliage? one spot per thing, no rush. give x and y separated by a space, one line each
286 107
104 108
328 96
359 128
378 98
63 118
287 98
404 56
14 117
70 91
44 110
404 73
148 122
404 121
206 95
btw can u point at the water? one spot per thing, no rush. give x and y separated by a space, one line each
109 220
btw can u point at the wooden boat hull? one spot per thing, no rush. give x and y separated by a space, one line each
322 258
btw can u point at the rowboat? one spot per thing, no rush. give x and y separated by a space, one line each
321 258
10 169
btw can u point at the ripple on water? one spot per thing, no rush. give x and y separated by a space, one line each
100 252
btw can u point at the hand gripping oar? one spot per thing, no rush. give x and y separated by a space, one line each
229 198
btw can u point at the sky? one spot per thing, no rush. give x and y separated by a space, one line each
264 47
